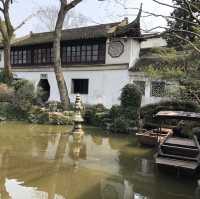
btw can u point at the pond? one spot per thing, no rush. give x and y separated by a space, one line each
38 162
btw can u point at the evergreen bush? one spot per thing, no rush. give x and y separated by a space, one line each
126 116
131 97
24 95
95 115
148 111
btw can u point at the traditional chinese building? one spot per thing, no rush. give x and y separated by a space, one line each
97 61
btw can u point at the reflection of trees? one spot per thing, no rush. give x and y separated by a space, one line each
127 164
116 143
57 178
138 171
59 157
168 186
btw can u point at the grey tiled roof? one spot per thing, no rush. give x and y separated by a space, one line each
90 32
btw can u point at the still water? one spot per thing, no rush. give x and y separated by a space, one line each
43 162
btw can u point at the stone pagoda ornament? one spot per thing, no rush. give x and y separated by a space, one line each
78 119
77 131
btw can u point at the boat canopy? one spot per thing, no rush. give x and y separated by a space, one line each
181 115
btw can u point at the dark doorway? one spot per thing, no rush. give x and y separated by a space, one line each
43 90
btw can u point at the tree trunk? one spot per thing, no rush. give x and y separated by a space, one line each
64 97
7 63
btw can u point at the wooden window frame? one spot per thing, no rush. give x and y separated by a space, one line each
85 90
41 55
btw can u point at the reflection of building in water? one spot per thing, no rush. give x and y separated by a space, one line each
144 167
53 142
3 173
105 171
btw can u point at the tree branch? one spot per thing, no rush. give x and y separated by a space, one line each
191 12
165 17
24 21
69 6
188 41
171 6
188 10
2 30
195 7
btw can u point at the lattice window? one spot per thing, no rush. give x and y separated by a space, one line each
158 89
141 86
79 53
192 96
20 56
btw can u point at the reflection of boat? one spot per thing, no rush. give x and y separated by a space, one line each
153 137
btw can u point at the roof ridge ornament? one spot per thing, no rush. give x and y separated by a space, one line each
128 29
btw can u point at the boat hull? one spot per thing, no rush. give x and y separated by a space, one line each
153 137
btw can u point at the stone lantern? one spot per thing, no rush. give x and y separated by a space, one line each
77 131
78 120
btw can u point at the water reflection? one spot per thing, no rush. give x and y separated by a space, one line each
39 161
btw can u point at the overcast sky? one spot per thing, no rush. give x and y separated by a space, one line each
99 12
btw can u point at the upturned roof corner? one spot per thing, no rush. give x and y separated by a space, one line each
125 29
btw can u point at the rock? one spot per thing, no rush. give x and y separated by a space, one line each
2 119
44 116
59 119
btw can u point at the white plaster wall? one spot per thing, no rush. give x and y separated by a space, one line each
130 54
134 52
147 98
153 42
104 85
2 58
35 78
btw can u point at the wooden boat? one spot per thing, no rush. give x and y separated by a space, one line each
153 137
179 152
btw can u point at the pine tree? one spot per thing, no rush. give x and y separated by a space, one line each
183 22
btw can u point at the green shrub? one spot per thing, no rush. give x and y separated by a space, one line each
121 125
54 106
115 112
95 115
148 111
99 108
24 95
68 113
2 77
38 115
131 97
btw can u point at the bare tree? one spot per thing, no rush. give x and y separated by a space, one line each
7 32
47 18
65 7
